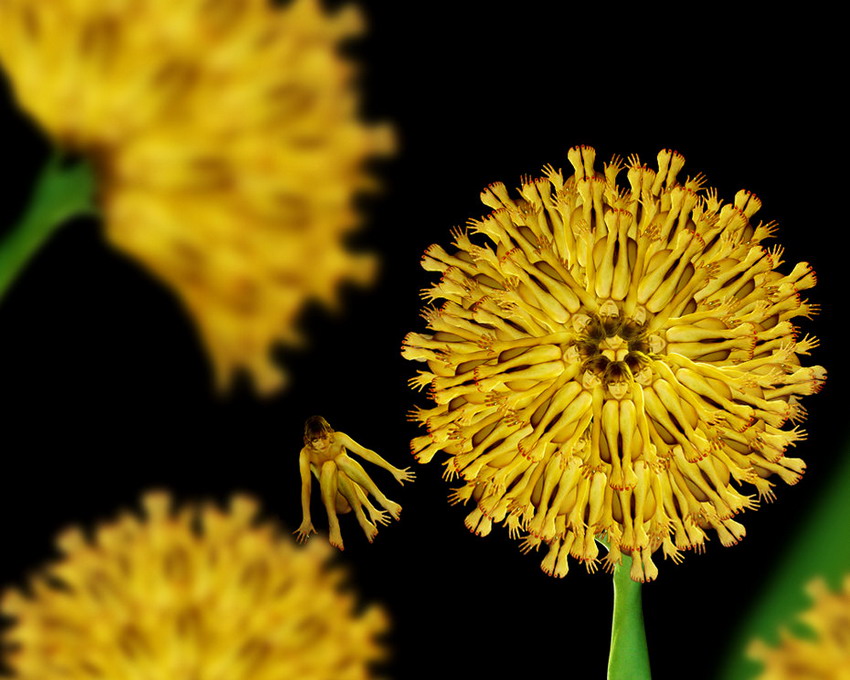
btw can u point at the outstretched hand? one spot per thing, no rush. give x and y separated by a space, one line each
303 532
402 476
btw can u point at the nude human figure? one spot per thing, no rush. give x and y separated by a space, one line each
620 423
343 481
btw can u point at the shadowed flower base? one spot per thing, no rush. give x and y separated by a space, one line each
613 361
196 594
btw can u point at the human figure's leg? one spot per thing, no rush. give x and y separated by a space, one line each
628 427
347 488
377 516
357 474
328 482
611 429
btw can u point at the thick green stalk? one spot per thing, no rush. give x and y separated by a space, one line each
629 657
61 192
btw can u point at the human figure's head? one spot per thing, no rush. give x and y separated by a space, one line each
317 433
618 379
608 311
632 333
656 343
641 367
593 371
639 315
580 322
580 351
593 330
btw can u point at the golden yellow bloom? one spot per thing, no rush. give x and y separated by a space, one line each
827 655
609 359
226 144
198 594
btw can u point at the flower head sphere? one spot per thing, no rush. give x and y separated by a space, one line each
198 594
613 361
226 143
825 655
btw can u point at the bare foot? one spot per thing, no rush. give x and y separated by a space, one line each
615 479
335 539
370 530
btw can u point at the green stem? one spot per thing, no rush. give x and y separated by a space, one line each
61 192
629 657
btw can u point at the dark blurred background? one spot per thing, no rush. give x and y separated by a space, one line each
105 390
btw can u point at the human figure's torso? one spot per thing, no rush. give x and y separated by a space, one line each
319 458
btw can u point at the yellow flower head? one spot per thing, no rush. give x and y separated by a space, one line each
825 655
226 143
198 594
609 359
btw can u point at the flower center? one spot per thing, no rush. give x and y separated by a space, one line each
610 337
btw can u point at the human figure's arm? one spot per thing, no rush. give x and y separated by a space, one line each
303 532
402 476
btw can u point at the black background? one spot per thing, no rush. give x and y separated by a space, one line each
106 391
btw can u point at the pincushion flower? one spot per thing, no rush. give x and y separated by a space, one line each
824 655
199 594
226 145
615 361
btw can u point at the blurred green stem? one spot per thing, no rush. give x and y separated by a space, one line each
629 657
61 192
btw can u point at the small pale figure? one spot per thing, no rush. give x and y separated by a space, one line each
344 483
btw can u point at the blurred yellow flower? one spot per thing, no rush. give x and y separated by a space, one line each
826 655
613 362
196 594
226 143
